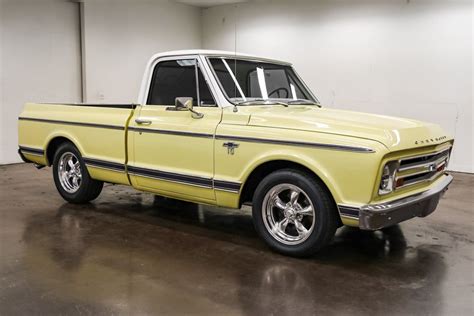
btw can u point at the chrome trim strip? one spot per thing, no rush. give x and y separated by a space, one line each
102 167
379 215
228 186
409 200
96 163
221 137
348 211
209 183
426 163
425 155
296 143
103 105
170 176
72 123
251 139
226 190
169 132
32 151
221 185
170 180
350 216
437 162
422 179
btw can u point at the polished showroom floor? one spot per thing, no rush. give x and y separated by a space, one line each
133 253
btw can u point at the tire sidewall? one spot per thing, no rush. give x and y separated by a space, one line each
322 217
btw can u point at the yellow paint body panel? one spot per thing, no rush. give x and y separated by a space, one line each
92 142
154 148
176 145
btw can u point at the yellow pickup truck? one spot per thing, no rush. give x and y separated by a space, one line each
226 129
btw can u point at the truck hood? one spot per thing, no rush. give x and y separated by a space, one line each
395 133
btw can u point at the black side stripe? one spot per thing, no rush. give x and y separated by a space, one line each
169 176
204 135
227 186
349 211
164 175
114 106
33 151
168 132
104 164
295 143
72 123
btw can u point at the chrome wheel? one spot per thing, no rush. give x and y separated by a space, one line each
69 172
288 214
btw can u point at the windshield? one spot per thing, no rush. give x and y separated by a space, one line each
247 82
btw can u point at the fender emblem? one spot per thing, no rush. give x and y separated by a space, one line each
230 147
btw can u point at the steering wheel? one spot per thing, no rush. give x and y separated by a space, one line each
278 90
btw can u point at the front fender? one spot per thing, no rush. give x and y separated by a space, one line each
349 175
301 159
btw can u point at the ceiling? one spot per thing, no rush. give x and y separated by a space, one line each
209 3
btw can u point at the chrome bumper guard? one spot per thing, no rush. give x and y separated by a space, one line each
377 216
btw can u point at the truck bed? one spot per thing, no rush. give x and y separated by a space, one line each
42 124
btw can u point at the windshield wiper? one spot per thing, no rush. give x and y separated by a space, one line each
261 101
302 101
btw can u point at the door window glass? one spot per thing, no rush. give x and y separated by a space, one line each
177 78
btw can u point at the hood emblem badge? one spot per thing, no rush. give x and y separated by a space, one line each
430 140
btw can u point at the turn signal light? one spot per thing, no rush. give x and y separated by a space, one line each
399 182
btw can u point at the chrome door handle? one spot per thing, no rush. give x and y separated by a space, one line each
142 121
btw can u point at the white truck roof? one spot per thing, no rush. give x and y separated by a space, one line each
199 52
207 52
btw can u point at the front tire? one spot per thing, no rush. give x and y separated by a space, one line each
71 177
294 213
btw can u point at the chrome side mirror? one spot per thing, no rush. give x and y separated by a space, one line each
186 104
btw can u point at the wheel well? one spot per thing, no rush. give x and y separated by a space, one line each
265 169
53 146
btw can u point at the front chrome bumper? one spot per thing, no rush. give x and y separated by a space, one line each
377 216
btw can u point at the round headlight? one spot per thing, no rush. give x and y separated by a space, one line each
385 181
388 178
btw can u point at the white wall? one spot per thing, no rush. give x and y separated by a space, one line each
39 61
396 57
120 37
40 52
406 58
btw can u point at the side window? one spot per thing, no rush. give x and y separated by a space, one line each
177 78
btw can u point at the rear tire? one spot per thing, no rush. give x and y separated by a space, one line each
294 213
71 177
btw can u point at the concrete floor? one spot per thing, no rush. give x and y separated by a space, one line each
132 253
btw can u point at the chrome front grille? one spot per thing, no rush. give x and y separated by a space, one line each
422 168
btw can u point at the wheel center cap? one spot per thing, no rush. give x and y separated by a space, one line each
290 213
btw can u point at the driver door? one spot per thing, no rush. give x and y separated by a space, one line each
171 152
